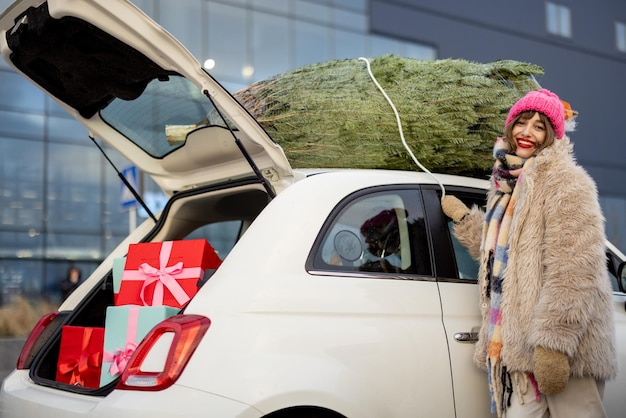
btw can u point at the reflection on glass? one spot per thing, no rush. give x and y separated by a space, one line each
20 278
21 125
357 5
270 38
312 11
349 45
73 189
17 92
311 43
350 20
66 129
620 36
159 119
378 233
80 246
226 22
22 244
185 23
381 45
222 236
21 184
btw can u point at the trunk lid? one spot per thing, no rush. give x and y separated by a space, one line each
133 85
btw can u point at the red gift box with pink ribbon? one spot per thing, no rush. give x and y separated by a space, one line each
80 356
165 273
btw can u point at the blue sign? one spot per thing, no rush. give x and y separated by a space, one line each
154 200
127 199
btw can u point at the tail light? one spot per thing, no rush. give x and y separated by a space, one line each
36 339
186 333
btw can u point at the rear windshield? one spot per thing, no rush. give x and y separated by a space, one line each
159 120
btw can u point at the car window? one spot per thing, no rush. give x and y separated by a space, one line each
380 232
613 263
221 235
467 266
159 120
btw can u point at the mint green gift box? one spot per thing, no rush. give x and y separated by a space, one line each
118 270
124 328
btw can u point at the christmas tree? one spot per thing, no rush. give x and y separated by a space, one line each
332 115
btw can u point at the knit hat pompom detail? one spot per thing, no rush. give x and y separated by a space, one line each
543 101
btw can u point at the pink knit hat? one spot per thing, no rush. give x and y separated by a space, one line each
543 101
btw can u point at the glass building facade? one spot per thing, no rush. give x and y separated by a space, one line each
60 199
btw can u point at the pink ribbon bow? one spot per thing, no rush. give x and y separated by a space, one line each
120 356
163 277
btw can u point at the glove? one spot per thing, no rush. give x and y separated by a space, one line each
551 370
454 208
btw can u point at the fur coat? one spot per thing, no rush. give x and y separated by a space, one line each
556 291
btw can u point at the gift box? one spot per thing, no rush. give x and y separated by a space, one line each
124 328
118 270
80 356
165 273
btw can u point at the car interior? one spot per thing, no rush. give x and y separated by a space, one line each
219 215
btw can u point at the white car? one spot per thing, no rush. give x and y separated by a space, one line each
344 293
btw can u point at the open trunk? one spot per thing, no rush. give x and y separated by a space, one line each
222 212
136 88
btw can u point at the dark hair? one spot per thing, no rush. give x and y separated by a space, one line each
526 115
74 268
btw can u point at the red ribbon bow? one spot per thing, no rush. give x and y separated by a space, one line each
78 367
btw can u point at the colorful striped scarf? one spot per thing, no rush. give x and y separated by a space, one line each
506 175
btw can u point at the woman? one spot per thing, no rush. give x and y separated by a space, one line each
547 337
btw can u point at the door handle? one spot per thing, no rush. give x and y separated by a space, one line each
466 337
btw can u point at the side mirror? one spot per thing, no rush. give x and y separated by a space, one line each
621 276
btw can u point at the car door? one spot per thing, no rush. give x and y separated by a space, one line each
614 400
457 279
378 238
457 274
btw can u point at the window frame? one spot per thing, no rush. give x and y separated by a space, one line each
442 247
559 20
315 264
620 35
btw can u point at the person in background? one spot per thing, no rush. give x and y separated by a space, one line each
547 338
70 282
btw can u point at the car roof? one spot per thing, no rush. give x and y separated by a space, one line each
385 176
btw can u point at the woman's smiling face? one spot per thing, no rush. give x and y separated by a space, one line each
528 135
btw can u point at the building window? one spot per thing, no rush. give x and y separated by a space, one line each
558 20
269 37
620 36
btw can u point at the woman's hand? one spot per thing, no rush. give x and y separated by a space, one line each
551 370
454 208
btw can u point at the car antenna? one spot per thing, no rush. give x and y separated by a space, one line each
124 180
406 146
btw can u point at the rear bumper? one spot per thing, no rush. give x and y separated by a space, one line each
20 397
